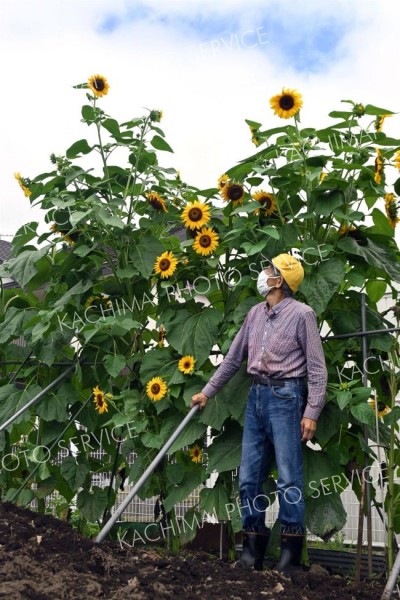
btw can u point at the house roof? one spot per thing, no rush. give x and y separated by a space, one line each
5 250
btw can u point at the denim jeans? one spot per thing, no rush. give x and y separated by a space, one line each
271 433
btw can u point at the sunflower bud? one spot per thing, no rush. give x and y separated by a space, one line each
156 116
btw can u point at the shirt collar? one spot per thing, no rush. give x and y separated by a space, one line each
275 310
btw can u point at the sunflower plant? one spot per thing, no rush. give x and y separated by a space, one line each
144 280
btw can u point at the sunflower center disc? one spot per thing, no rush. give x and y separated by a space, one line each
164 264
286 102
205 241
266 202
155 388
99 85
195 214
235 192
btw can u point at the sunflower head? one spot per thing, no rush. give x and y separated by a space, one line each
161 336
379 122
378 167
156 116
267 201
165 264
287 104
156 201
156 389
24 184
379 407
196 454
186 364
206 241
195 215
396 160
233 192
99 85
100 400
359 110
346 229
222 181
392 207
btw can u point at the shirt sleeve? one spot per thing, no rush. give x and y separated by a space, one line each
231 364
310 340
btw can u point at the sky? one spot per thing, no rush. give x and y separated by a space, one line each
207 64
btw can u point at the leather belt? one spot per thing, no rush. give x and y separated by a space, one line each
258 380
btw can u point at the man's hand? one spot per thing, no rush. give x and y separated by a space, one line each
308 427
201 399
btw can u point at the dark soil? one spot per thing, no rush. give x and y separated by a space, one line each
43 558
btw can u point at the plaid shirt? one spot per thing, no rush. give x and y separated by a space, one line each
279 342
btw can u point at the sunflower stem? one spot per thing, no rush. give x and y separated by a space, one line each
140 148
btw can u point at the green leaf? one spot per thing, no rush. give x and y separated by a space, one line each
363 413
145 253
328 201
92 504
319 468
325 515
370 109
225 451
79 147
251 248
24 266
53 407
194 334
114 363
178 493
343 397
192 432
74 473
215 501
319 286
112 126
160 144
374 254
376 289
89 113
175 473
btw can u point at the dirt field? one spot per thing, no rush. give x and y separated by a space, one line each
42 558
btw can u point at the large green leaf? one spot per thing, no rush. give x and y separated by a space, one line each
363 413
23 267
192 432
12 400
374 254
318 471
74 473
160 144
92 504
145 253
215 501
194 334
325 515
79 147
53 407
225 451
180 492
319 286
114 363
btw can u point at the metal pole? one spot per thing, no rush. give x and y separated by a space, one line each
37 397
387 592
145 475
343 336
367 483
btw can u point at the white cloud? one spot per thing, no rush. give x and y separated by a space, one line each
193 60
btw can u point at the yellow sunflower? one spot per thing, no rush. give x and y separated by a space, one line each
379 407
195 215
156 201
196 454
322 176
267 201
67 238
99 85
222 181
100 400
378 167
186 364
23 184
165 264
161 336
254 135
287 104
206 241
396 160
156 389
233 192
345 229
392 207
379 122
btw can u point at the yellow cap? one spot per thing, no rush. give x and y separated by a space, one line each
290 269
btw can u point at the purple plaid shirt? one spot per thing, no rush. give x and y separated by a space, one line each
280 342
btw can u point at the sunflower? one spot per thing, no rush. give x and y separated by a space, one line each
99 85
156 201
156 116
233 192
206 241
66 237
23 183
392 207
359 110
378 167
196 454
267 201
100 400
254 135
345 229
165 264
396 160
379 122
186 364
156 389
222 181
195 215
322 176
287 104
379 407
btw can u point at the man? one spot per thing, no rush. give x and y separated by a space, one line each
282 345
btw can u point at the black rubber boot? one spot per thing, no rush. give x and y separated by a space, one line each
291 548
253 552
261 546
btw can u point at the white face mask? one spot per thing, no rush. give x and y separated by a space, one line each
262 286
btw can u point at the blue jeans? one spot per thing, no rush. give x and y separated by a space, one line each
272 432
